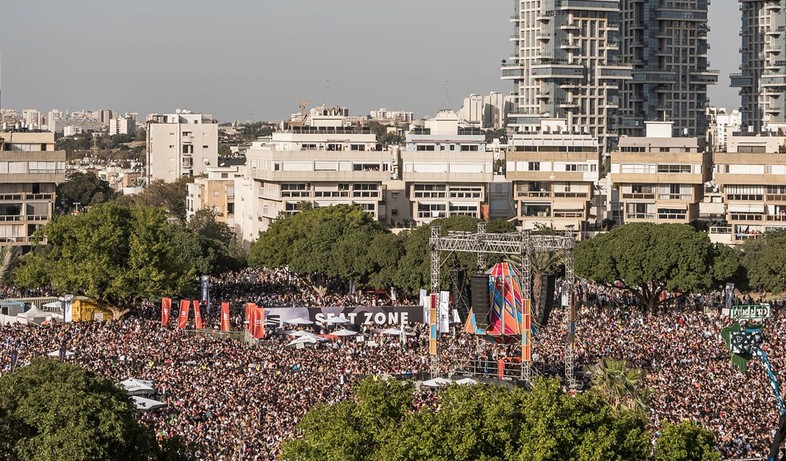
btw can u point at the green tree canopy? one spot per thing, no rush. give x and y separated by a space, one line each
171 196
764 258
50 411
116 254
472 423
649 258
82 188
686 441
323 242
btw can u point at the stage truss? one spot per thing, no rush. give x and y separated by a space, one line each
523 244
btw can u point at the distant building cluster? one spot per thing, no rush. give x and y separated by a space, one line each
608 122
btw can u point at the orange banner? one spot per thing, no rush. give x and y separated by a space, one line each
224 316
197 316
166 309
250 311
182 319
259 323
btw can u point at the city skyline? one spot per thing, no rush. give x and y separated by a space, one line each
259 61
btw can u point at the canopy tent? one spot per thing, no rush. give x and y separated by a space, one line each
57 353
466 381
298 333
135 386
299 321
336 320
437 382
143 404
54 304
306 339
343 332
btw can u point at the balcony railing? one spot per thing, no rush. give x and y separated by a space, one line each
571 194
776 217
639 196
683 197
639 215
7 218
746 217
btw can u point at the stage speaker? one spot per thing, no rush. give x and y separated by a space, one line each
547 298
480 300
460 292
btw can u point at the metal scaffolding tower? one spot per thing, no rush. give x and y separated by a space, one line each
523 244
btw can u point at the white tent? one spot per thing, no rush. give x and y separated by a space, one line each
57 353
299 333
299 321
54 304
343 332
144 404
437 382
336 320
306 339
135 386
466 381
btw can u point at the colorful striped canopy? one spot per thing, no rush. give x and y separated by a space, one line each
506 301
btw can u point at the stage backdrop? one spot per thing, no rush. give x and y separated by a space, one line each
373 316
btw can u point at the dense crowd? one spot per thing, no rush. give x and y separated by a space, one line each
236 400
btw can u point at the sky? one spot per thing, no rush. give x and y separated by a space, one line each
257 60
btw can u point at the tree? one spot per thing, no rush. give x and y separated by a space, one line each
115 254
82 188
50 411
764 258
171 196
646 259
218 244
469 423
320 243
686 441
620 385
500 226
415 267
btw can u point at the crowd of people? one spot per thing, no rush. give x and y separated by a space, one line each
232 399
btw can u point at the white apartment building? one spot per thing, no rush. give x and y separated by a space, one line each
721 124
33 119
180 144
215 192
486 111
30 170
554 173
124 124
751 175
565 64
391 116
660 177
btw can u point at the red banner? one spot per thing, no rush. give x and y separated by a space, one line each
166 309
250 311
259 323
182 319
197 316
224 316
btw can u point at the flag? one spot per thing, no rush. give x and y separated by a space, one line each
182 319
166 309
197 316
250 308
224 316
259 323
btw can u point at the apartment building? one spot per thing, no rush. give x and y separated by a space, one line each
659 177
665 41
30 170
553 173
180 144
446 170
762 77
486 111
566 64
751 176
124 124
215 192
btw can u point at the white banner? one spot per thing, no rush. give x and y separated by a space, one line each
424 302
68 305
444 312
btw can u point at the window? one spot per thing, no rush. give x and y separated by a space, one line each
365 190
358 147
466 192
469 148
533 166
674 168
429 191
462 209
425 148
295 190
576 167
188 149
431 210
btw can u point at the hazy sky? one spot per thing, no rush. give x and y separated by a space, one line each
232 58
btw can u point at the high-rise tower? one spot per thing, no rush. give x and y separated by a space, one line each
666 43
565 64
762 80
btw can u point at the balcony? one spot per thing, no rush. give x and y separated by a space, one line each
776 218
569 26
639 215
568 45
11 218
749 217
11 197
638 196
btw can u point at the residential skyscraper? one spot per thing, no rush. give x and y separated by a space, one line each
565 64
666 43
762 80
180 144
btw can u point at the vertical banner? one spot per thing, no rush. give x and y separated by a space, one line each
166 310
259 323
444 312
68 308
182 319
526 333
729 295
224 316
206 292
197 316
425 302
250 312
432 341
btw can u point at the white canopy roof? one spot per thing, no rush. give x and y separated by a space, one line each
135 386
144 404
344 332
299 321
336 320
437 382
306 339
